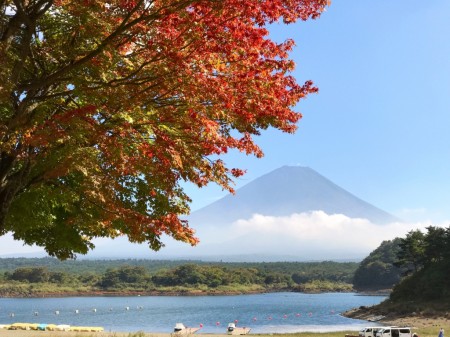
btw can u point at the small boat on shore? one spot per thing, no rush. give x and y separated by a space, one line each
180 329
234 330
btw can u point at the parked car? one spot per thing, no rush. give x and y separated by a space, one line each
370 331
394 332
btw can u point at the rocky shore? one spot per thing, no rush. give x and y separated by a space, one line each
373 314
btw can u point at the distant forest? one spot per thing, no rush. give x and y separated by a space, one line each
49 276
415 268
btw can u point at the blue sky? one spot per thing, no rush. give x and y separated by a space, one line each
380 125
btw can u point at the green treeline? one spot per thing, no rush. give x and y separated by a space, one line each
31 277
379 270
425 259
416 268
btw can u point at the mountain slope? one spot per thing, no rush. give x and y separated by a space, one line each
289 214
288 190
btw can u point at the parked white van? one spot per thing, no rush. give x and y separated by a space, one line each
370 331
394 332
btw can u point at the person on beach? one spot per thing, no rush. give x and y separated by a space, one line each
441 333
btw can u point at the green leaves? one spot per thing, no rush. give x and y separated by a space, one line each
106 107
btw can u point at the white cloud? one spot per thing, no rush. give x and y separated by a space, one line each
303 236
314 235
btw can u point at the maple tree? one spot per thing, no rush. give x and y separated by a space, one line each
106 107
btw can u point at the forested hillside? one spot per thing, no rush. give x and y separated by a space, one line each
48 276
423 260
378 271
426 260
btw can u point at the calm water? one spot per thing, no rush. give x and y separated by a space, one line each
264 313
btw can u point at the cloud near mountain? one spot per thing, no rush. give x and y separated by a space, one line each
292 213
301 236
285 191
297 237
308 236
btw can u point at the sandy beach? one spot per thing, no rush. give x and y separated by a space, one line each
431 325
419 322
412 320
30 333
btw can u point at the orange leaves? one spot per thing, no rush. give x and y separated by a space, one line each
237 172
127 4
121 101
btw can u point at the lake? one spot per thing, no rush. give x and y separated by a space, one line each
263 313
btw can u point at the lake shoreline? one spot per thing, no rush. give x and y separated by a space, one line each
31 333
425 326
418 323
135 293
275 312
365 312
172 293
370 314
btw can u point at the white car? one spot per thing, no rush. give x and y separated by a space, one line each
370 331
394 332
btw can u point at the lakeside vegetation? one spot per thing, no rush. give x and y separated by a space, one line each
425 261
20 277
422 263
416 268
379 271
